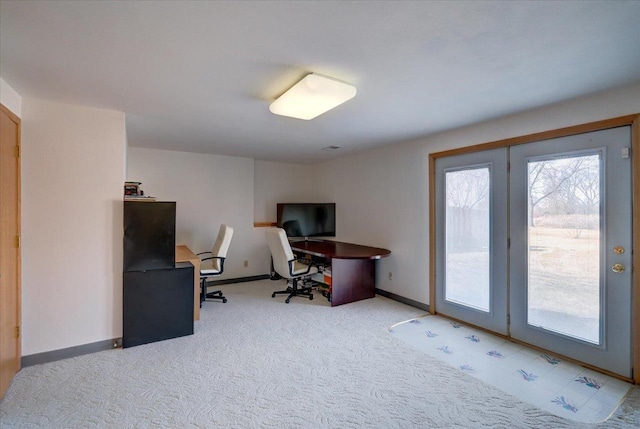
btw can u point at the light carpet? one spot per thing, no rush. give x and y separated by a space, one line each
548 382
256 362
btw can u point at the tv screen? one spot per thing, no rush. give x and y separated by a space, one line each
307 219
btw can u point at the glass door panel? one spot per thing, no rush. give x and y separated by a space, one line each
468 225
564 251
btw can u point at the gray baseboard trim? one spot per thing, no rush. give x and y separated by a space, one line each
69 352
237 280
402 299
54 355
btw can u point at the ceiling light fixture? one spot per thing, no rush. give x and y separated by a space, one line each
312 96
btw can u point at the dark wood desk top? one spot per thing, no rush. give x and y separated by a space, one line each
339 250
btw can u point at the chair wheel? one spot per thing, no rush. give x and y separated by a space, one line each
310 297
273 295
286 301
224 300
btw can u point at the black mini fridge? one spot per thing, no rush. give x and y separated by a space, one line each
149 235
157 291
158 304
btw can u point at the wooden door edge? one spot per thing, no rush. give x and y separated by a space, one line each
15 118
635 304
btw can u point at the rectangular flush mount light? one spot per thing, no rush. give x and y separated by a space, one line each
312 96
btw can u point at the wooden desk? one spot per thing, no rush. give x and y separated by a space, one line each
353 269
184 254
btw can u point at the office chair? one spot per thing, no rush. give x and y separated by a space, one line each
216 265
285 264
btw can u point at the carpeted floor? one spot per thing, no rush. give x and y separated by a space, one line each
256 362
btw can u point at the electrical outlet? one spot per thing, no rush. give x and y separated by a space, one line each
390 275
246 264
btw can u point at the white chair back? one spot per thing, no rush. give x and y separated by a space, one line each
280 251
221 246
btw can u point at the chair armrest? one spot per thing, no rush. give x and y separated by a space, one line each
202 253
291 265
215 257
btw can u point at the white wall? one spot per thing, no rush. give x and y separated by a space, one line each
209 190
277 182
73 167
10 98
72 178
382 195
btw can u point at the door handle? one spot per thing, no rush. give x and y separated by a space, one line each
617 268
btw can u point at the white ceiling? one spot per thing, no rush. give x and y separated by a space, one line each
199 76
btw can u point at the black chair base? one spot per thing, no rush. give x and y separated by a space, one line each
204 295
294 291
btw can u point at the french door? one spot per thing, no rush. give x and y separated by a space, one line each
533 241
471 238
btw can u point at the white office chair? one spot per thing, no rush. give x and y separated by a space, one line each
285 264
214 264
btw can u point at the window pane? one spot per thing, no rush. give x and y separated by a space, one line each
564 246
468 262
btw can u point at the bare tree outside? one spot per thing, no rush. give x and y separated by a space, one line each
564 245
554 183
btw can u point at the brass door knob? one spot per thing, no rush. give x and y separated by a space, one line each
617 268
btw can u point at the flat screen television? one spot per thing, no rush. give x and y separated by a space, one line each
307 219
